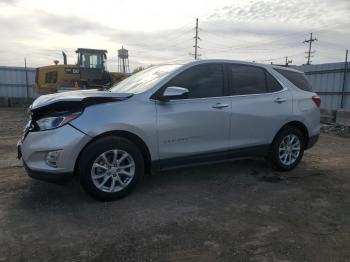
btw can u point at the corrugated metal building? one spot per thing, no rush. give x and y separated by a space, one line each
13 82
327 80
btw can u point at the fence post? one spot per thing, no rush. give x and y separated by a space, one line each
344 80
25 69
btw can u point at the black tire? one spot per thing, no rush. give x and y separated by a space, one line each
93 151
274 157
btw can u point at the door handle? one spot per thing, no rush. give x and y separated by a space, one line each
280 100
220 106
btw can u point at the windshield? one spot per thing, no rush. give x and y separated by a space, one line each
143 80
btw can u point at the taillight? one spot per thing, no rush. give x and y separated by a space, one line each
317 100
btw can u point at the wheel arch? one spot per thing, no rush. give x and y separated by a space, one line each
298 125
130 136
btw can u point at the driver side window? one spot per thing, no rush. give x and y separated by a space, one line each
202 81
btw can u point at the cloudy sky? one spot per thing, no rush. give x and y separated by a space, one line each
159 31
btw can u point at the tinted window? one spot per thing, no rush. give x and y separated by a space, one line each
272 83
248 80
298 79
201 80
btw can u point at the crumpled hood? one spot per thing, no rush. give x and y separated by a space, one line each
77 96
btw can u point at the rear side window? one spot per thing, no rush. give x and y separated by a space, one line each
205 80
272 83
298 79
247 80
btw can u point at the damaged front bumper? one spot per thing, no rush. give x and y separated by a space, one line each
51 145
36 152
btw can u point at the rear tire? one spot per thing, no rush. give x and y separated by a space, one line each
287 149
110 167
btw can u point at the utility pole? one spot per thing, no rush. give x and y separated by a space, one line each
344 79
196 38
288 61
310 45
26 74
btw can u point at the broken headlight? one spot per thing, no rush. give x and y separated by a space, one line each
52 122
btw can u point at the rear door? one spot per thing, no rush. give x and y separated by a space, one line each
201 123
260 105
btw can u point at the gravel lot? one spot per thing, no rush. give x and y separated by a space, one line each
238 211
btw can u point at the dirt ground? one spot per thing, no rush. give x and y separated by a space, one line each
238 211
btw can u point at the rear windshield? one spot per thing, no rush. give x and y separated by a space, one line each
298 79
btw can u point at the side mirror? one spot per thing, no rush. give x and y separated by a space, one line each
174 92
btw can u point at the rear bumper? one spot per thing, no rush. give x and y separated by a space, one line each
312 141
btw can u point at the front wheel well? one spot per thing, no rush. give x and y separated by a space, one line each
130 136
301 127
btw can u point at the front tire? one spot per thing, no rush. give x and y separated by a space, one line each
287 149
110 167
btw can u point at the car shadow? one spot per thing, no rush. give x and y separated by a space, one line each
237 175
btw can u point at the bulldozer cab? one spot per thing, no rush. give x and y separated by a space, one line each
91 58
92 67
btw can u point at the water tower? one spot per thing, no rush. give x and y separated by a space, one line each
123 60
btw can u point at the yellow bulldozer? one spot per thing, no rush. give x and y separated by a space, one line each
88 73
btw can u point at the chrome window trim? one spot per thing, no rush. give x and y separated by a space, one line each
229 96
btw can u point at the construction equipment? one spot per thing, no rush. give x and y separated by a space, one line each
88 73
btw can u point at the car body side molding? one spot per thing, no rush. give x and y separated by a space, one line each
210 158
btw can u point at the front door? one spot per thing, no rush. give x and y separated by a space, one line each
197 125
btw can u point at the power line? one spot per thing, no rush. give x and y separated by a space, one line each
173 34
309 52
181 41
245 47
278 58
248 45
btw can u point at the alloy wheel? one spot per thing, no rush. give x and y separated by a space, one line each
113 170
289 149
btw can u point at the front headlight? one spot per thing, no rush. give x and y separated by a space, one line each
29 113
55 121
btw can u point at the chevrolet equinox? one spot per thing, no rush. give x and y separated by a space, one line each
170 116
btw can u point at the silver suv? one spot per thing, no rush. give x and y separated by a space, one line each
171 116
